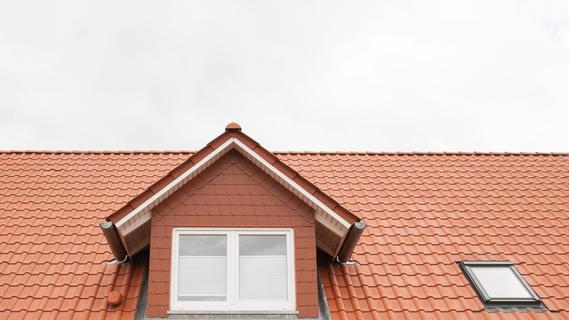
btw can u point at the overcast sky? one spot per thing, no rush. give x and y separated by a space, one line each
297 75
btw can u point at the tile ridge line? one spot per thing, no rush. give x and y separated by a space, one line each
290 152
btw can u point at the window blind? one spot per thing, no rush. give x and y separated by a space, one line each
202 278
263 277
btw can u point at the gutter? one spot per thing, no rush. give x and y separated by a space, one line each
354 235
114 241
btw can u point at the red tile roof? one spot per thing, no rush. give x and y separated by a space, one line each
428 211
425 212
52 252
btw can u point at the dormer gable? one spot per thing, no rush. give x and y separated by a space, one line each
233 240
127 229
233 230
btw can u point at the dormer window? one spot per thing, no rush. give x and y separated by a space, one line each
233 230
232 270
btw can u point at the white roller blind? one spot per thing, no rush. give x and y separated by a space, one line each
263 267
263 277
202 268
201 277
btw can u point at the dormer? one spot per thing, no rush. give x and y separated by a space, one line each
233 231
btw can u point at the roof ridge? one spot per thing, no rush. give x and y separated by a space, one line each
97 151
507 153
484 153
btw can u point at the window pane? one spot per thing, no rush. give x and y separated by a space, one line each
203 245
263 267
500 282
202 268
255 245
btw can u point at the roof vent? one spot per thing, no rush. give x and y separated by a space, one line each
233 127
114 298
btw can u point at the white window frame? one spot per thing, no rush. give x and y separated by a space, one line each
233 304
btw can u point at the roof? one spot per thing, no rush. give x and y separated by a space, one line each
53 256
425 212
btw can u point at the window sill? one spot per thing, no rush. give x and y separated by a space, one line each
231 312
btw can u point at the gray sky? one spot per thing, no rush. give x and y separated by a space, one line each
297 75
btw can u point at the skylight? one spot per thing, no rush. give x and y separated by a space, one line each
499 284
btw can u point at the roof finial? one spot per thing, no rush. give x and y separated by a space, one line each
233 126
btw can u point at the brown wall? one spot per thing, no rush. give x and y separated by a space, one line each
233 192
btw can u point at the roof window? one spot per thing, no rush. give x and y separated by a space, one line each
500 285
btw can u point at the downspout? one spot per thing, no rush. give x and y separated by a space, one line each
354 234
114 241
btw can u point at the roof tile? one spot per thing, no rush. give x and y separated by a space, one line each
52 253
425 212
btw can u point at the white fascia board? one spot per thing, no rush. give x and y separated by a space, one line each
293 184
174 183
232 142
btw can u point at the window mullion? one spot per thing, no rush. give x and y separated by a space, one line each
232 270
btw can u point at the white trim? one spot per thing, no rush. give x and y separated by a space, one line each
174 183
231 142
232 312
293 184
232 304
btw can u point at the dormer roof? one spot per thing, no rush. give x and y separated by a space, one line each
334 221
